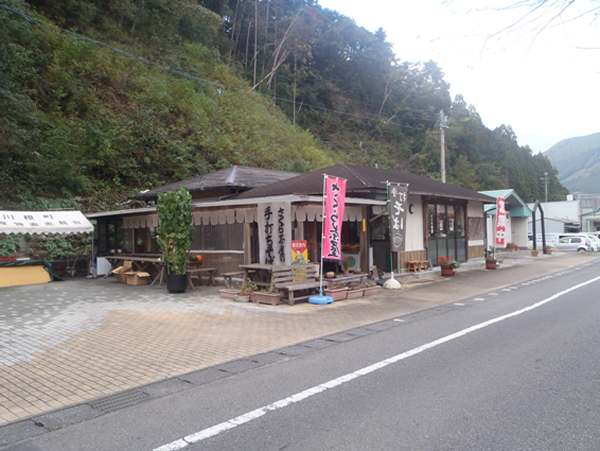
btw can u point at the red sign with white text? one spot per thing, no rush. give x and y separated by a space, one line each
335 197
500 222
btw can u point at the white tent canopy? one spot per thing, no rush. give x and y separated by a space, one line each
44 222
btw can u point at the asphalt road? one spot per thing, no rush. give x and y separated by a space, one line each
517 369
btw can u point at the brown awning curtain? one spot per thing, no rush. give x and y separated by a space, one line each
242 215
315 213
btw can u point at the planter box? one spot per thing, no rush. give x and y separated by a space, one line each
352 294
372 290
259 297
338 294
228 294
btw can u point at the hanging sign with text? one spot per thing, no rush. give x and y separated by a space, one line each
275 233
500 222
398 205
335 198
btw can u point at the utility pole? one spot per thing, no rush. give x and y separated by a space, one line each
443 125
546 180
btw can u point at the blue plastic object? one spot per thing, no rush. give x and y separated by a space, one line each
320 299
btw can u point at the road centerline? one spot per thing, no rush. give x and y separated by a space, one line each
300 396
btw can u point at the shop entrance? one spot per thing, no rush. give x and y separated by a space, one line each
446 232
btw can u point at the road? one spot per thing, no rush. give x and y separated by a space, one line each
515 369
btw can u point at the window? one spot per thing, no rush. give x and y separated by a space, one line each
229 237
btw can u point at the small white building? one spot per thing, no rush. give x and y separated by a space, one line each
517 216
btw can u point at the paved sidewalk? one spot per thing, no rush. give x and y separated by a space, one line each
68 342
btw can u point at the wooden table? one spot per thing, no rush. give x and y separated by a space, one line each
261 273
138 263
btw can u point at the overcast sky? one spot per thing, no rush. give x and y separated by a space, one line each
543 83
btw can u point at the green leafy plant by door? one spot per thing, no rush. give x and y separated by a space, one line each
175 232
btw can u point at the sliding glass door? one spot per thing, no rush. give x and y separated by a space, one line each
446 234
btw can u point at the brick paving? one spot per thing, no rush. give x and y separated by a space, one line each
64 343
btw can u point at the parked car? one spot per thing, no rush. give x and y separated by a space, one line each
578 243
595 242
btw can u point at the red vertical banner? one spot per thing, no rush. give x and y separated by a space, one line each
500 222
335 198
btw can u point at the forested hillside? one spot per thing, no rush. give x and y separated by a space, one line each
578 163
102 98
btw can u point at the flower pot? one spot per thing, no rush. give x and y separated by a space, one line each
491 264
534 253
338 294
242 298
548 252
259 297
352 294
228 294
447 271
346 272
177 283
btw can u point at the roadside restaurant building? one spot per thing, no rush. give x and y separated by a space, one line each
232 224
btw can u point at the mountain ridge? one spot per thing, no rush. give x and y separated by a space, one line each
578 163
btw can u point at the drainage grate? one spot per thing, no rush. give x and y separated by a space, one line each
120 401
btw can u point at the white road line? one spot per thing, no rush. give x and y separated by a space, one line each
247 417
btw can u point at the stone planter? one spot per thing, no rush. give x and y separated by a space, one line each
259 297
372 290
352 294
241 298
491 264
447 271
228 294
338 294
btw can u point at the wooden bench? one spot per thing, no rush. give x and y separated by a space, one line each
416 265
197 273
295 278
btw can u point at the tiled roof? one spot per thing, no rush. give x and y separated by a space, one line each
236 177
363 182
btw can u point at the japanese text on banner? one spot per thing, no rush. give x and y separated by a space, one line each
335 198
398 201
500 222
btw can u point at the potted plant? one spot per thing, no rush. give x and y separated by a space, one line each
175 235
512 246
346 265
448 266
490 259
245 291
337 291
534 253
548 250
269 295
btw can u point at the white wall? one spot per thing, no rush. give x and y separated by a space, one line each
563 210
414 225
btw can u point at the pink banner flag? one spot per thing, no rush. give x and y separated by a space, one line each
335 196
500 222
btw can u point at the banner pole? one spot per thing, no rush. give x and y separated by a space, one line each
322 235
390 226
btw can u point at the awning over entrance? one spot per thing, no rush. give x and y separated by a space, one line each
44 222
